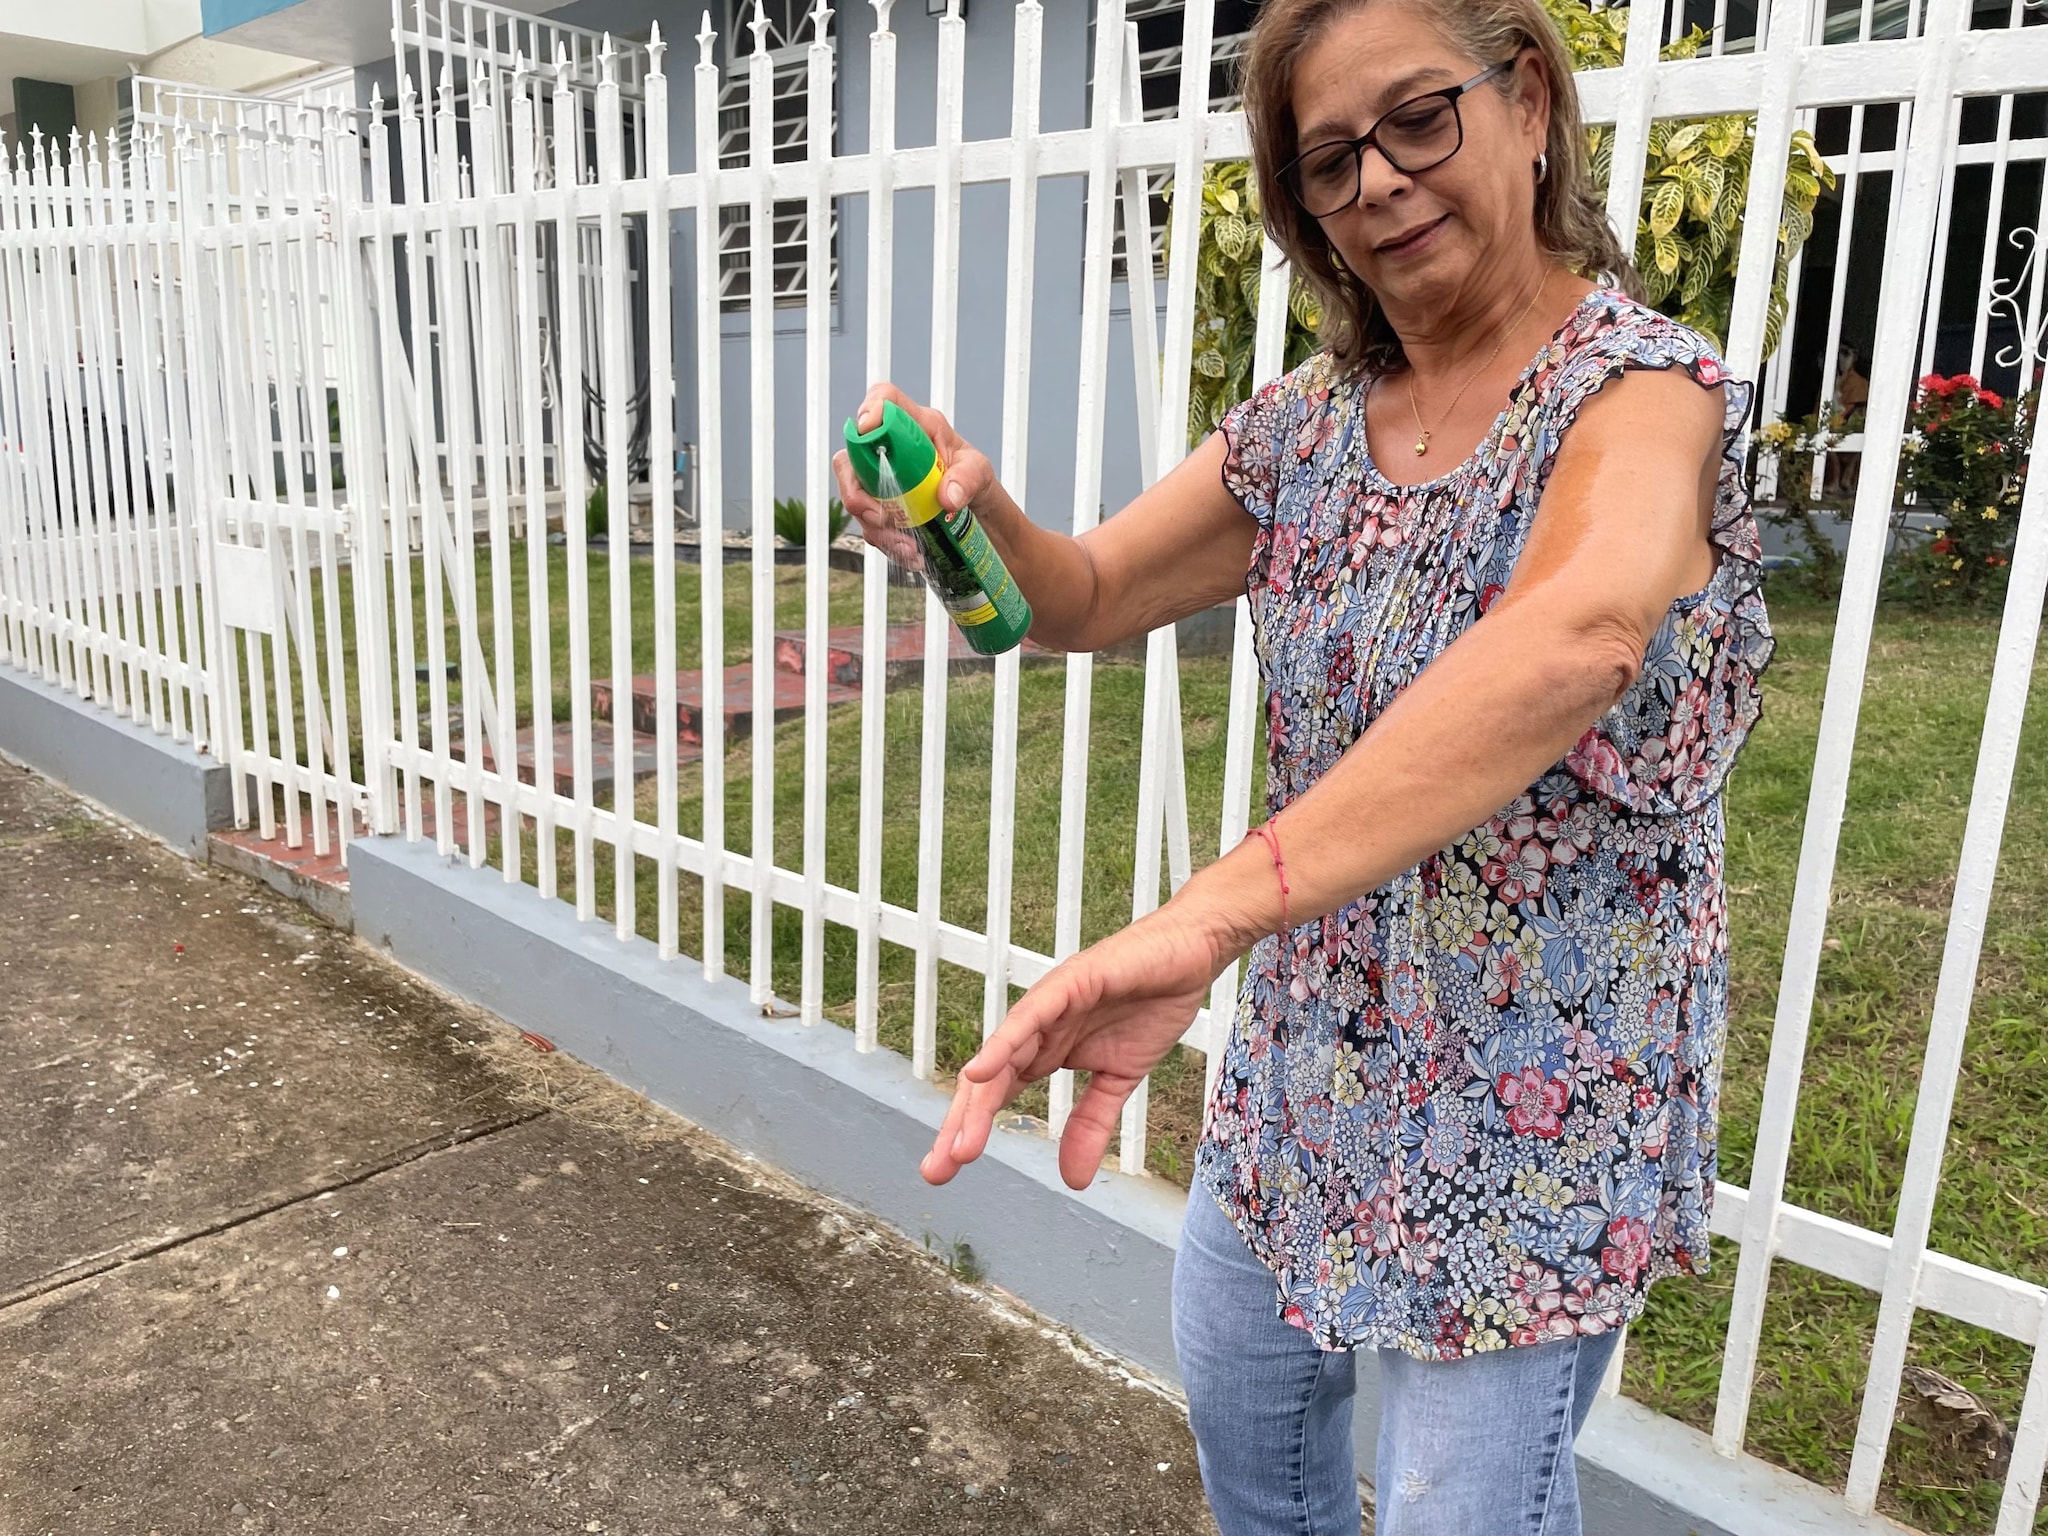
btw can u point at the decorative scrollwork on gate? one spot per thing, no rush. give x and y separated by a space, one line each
2008 295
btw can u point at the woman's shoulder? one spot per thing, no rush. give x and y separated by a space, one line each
1611 328
1311 384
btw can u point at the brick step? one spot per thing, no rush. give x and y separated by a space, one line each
846 646
739 701
603 757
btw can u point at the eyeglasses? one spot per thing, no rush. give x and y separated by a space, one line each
1418 135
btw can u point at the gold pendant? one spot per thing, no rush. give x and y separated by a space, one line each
1422 445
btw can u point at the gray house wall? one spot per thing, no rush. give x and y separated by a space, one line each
1056 272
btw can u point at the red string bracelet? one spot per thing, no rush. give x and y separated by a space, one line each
1271 838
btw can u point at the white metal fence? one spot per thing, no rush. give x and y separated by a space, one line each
279 451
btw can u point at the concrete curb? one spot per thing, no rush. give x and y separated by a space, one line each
168 790
854 1126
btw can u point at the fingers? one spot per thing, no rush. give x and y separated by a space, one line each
936 427
1084 1141
968 477
963 1136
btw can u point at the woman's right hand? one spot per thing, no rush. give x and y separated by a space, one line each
969 475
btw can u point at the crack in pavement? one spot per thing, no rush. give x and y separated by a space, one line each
119 1258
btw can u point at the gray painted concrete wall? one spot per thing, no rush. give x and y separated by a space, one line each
170 791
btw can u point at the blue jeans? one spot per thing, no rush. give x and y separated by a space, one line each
1474 1447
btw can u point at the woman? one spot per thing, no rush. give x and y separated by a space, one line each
1505 581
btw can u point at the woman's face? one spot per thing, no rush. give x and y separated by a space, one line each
1423 242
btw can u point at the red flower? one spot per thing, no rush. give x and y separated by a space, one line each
1943 545
1628 1250
1987 397
1963 381
1933 384
1995 560
1533 1102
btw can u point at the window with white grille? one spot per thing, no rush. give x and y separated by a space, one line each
786 41
1160 24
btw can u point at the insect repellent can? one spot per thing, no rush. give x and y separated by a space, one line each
898 466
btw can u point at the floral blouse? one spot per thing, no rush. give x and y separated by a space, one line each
1477 1108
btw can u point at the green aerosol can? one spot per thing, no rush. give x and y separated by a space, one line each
899 467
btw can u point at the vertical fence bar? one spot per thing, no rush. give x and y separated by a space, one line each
264 405
142 318
405 472
212 438
19 637
118 509
2018 1505
2019 632
817 490
299 364
529 276
761 435
34 410
652 136
938 629
1905 279
428 398
1159 754
49 445
67 216
176 261
458 384
486 137
365 429
874 683
1018 291
568 181
1268 358
1091 390
617 373
1632 123
711 502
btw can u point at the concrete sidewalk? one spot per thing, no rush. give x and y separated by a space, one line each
291 1243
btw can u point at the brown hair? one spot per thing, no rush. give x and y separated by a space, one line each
1571 221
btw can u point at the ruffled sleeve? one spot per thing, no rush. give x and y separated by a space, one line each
1667 747
1267 435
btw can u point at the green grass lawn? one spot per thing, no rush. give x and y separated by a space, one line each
1922 717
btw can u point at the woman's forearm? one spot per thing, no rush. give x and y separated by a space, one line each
1506 702
1052 570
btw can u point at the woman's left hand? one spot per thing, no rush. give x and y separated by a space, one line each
1114 1010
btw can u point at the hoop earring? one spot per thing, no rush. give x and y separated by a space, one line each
1542 167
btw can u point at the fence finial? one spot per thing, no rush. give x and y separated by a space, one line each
882 9
705 38
821 17
655 47
759 27
608 61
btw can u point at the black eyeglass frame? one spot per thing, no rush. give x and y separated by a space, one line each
1290 172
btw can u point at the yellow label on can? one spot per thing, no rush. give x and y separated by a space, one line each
920 503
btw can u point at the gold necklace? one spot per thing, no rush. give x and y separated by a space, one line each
1422 441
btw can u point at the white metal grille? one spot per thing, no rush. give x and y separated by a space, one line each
787 48
1159 25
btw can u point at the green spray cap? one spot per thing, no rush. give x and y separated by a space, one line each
910 452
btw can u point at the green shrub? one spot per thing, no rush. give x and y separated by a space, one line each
792 520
